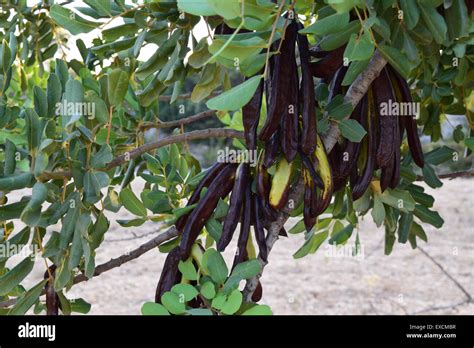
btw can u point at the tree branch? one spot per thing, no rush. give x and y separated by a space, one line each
356 91
119 261
181 122
450 176
167 98
172 139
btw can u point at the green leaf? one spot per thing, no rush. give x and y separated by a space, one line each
328 25
398 199
215 264
173 303
16 181
132 203
411 13
28 299
396 59
32 212
428 216
469 142
80 232
102 157
430 177
354 70
440 155
258 310
342 235
378 211
236 97
457 19
359 48
202 8
151 308
404 227
298 227
208 290
214 228
71 21
53 93
333 41
434 22
15 276
79 305
228 9
352 130
185 291
187 269
311 245
14 244
247 269
33 129
117 86
233 303
40 101
101 6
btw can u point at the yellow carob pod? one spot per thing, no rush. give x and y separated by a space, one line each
324 171
281 182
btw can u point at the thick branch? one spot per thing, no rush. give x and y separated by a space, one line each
132 255
181 122
119 261
180 138
354 94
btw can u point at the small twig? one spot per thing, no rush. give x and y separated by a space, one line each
439 308
450 176
180 122
167 98
468 295
179 138
119 261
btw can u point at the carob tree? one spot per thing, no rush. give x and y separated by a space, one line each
323 100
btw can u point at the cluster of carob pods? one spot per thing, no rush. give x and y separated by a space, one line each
291 146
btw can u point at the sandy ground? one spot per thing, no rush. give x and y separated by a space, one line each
405 282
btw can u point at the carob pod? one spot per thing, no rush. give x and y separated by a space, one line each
280 80
263 185
383 93
219 188
205 182
170 274
281 182
309 218
272 149
409 122
351 150
289 123
258 228
324 171
52 298
245 224
258 293
251 116
235 205
362 182
309 165
329 64
308 100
